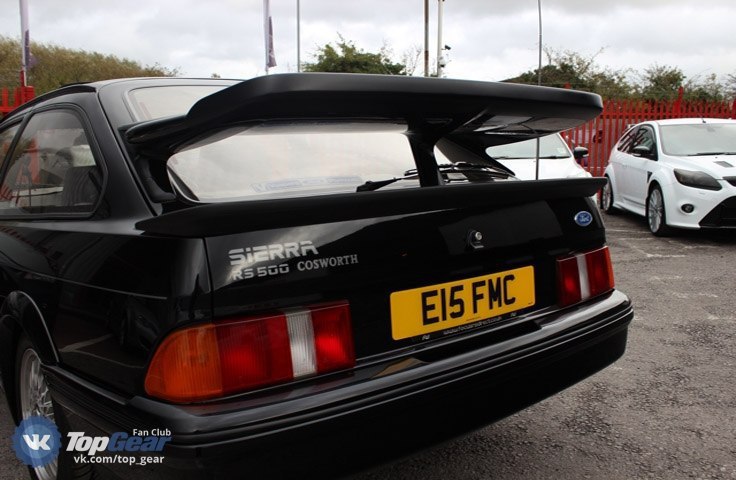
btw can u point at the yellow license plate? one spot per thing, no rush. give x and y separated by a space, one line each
424 310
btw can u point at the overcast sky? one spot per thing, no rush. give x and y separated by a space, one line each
489 39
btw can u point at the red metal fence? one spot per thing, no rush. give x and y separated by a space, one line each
602 133
19 96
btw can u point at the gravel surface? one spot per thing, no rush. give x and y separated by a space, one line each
666 410
10 466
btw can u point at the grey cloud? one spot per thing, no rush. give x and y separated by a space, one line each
490 39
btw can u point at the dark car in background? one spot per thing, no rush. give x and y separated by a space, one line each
276 276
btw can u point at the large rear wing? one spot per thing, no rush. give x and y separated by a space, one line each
430 107
459 117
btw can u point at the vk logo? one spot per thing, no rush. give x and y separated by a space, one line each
36 441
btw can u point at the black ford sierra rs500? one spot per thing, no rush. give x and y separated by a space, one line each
294 273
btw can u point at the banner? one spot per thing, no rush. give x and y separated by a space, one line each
268 30
27 59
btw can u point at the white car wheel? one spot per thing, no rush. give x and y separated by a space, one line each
607 197
656 217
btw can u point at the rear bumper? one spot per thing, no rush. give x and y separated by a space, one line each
338 428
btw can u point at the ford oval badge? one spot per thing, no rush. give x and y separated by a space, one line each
583 218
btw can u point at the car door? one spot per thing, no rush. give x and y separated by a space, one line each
619 162
641 159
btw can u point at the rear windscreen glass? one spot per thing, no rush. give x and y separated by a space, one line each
273 160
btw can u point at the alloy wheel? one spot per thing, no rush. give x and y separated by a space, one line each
35 400
655 211
606 195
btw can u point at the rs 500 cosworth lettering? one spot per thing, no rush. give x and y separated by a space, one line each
249 258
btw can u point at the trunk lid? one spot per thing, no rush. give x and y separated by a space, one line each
262 262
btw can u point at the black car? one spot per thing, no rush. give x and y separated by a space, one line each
294 274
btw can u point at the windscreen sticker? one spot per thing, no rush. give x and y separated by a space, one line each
266 260
296 183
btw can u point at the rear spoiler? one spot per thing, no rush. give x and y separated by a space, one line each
469 113
215 219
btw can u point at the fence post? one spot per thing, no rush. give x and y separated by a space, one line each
20 96
4 102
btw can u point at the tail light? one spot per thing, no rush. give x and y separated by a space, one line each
583 276
234 355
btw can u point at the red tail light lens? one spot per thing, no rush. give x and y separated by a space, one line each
583 276
331 327
215 359
253 352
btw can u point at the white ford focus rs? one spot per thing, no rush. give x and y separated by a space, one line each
677 173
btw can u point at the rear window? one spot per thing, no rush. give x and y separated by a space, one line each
150 103
550 146
274 160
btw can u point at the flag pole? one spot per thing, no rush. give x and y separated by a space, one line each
298 37
25 39
426 38
268 36
440 4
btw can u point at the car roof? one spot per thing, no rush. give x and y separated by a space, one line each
690 121
124 82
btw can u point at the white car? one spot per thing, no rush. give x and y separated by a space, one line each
677 173
556 159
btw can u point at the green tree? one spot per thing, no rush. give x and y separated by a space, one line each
569 69
661 82
729 87
346 57
9 62
56 66
658 82
708 90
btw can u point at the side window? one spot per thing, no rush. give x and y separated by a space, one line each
52 168
645 138
624 145
6 139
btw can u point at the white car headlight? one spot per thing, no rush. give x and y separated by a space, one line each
693 179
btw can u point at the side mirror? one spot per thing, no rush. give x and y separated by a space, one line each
642 151
580 154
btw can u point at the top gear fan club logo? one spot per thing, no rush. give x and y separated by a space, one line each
36 441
